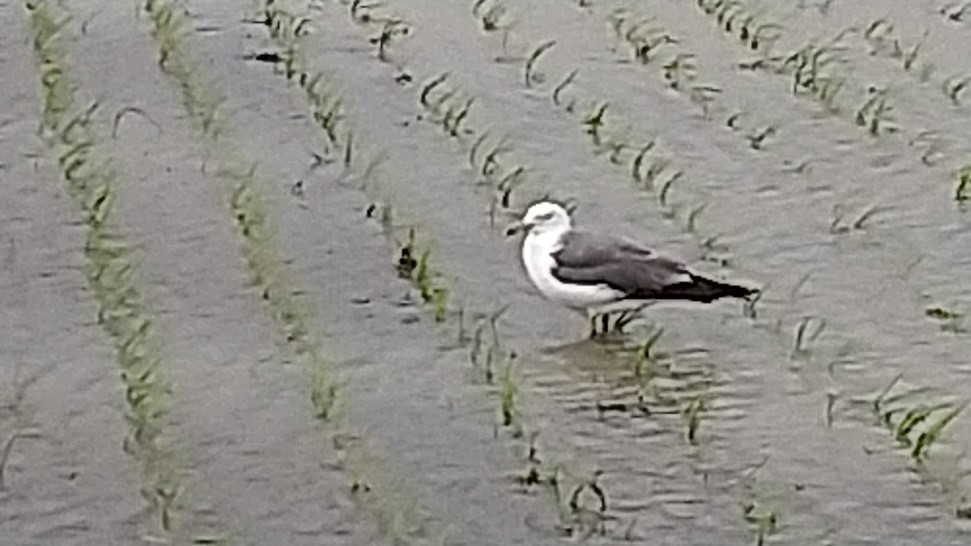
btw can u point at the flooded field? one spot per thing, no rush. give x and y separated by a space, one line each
255 288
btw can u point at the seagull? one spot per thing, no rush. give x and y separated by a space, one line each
596 273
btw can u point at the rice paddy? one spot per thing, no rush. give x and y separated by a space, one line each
284 222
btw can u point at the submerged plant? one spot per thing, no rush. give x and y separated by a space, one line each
679 70
567 81
963 190
954 87
529 76
692 414
508 395
491 16
594 121
804 334
390 30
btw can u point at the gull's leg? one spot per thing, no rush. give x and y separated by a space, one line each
605 323
593 325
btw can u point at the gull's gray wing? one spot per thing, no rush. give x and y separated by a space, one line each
632 268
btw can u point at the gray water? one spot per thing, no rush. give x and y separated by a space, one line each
853 235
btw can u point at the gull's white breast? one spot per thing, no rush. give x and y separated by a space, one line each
538 260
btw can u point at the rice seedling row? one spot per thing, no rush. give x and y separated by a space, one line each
111 273
397 516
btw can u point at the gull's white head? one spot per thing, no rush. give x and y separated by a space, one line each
546 217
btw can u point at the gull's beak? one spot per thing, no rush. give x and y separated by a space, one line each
516 227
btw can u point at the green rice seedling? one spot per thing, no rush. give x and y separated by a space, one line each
7 450
429 87
474 149
490 163
874 112
930 435
911 56
616 19
662 196
613 149
692 218
704 96
369 174
954 87
756 140
576 497
390 30
406 256
483 352
461 336
831 398
879 116
509 412
804 335
460 116
829 89
950 320
387 220
878 401
750 303
508 183
645 352
445 98
963 190
475 347
914 416
491 17
440 303
567 81
877 34
955 11
635 167
348 149
323 397
360 11
422 276
766 35
529 478
533 454
594 121
116 121
654 170
726 11
766 522
870 212
729 14
679 70
692 414
529 76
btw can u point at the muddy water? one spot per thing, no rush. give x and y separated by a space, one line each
260 469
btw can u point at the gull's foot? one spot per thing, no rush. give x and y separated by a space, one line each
604 320
623 318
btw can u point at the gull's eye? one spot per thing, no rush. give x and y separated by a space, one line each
544 217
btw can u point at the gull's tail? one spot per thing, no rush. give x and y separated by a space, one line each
705 290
